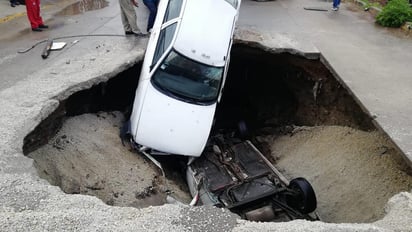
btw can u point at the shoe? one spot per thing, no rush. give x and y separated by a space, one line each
129 32
36 29
43 26
335 8
140 34
12 4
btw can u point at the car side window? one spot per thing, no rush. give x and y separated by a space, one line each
173 10
164 41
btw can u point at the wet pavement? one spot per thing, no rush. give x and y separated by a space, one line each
82 7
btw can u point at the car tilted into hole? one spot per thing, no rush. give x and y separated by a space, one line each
180 85
183 75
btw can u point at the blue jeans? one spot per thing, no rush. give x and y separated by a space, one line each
152 5
336 3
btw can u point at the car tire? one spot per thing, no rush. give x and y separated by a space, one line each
305 199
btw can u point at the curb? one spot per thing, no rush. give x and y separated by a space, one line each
362 3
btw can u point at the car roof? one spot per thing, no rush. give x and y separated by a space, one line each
205 31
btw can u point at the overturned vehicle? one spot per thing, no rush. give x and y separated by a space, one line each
234 174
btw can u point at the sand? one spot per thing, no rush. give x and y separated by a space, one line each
353 172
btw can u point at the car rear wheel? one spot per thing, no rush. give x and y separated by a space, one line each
304 199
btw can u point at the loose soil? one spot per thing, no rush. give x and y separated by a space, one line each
353 172
87 157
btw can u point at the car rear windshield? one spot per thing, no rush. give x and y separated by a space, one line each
188 80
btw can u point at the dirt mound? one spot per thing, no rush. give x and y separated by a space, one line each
353 172
87 157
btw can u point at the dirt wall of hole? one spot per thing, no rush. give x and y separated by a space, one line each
282 89
117 94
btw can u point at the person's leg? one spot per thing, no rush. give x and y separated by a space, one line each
130 16
31 8
13 3
126 25
39 19
152 5
336 3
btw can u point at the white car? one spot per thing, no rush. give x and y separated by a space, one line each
183 75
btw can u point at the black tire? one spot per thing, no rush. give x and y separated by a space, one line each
305 200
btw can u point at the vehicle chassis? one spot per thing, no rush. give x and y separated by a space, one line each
234 174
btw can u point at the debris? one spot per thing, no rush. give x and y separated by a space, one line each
315 9
58 46
47 48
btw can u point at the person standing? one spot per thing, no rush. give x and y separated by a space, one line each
128 15
336 4
33 13
152 6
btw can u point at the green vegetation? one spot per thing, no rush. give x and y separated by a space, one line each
395 13
368 4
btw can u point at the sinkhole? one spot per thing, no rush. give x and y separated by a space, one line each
300 116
